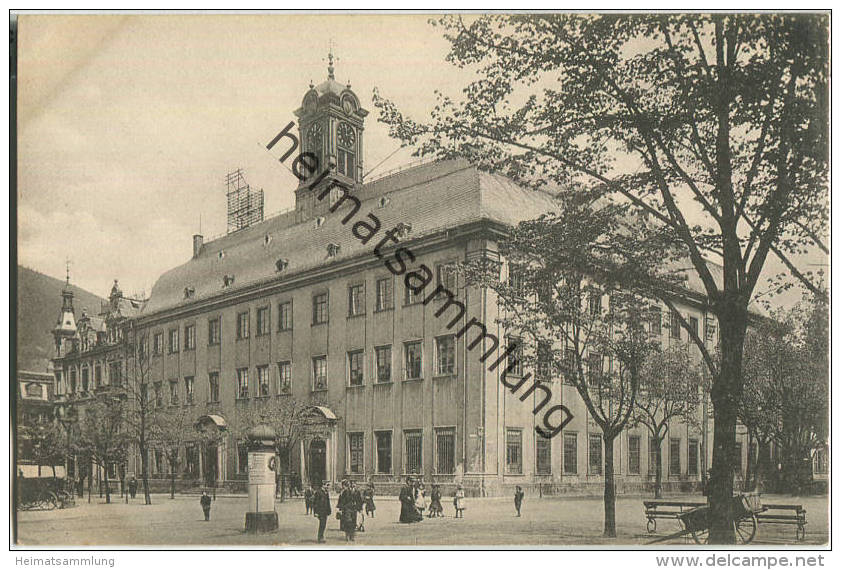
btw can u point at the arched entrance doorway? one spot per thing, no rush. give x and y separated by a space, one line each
318 461
211 429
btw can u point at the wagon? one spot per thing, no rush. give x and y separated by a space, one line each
42 493
695 522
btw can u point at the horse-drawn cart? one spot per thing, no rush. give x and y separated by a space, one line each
695 522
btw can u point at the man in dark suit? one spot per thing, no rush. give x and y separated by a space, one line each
321 508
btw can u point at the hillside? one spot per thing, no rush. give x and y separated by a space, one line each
39 303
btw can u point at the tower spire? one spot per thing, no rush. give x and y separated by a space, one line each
330 68
67 280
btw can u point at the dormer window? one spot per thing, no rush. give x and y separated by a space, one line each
281 264
189 292
333 249
267 239
319 221
383 201
227 281
221 254
403 229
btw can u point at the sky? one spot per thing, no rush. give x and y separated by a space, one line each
128 124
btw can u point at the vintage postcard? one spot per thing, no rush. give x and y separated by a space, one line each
421 280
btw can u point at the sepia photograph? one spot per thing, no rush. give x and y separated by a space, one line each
392 280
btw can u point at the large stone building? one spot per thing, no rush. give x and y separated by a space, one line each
313 305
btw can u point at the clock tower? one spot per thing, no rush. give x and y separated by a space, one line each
330 123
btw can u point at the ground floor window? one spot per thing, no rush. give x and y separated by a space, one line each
514 451
674 457
383 451
821 461
633 455
570 453
355 443
653 447
445 446
595 455
737 463
414 451
692 457
242 458
192 463
543 453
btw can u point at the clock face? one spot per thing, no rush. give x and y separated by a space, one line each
314 137
347 138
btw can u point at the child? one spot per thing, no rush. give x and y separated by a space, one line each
420 500
308 494
369 500
458 502
435 508
518 499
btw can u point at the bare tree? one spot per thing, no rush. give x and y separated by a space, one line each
139 407
103 433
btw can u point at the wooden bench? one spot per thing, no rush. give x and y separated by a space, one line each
785 514
661 509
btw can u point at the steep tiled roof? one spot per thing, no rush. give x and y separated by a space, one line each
430 198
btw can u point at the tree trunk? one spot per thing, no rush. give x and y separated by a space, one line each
750 470
725 394
173 467
609 489
144 462
658 473
90 482
107 485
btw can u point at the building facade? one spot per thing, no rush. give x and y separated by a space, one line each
333 304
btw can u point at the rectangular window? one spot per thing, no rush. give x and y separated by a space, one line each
447 276
595 301
653 447
242 382
445 355
674 457
190 337
570 365
515 279
356 300
633 455
242 458
214 331
383 356
243 325
595 366
570 453
213 380
674 328
188 389
710 333
414 451
97 376
85 379
414 360
515 357
445 451
263 380
115 373
319 309
595 455
544 360
385 296
284 377
543 455
355 444
173 340
692 457
738 458
514 451
411 296
354 365
821 462
383 451
158 343
192 459
319 373
284 316
159 395
693 325
264 325
173 392
655 322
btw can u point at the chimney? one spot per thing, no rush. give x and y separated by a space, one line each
198 239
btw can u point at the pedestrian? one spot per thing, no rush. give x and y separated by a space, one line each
205 505
132 487
348 505
408 512
308 495
321 508
368 498
420 499
458 502
435 508
518 499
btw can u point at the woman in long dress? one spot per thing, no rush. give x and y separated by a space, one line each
408 512
348 505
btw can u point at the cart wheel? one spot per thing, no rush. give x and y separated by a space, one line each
745 529
651 526
801 533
